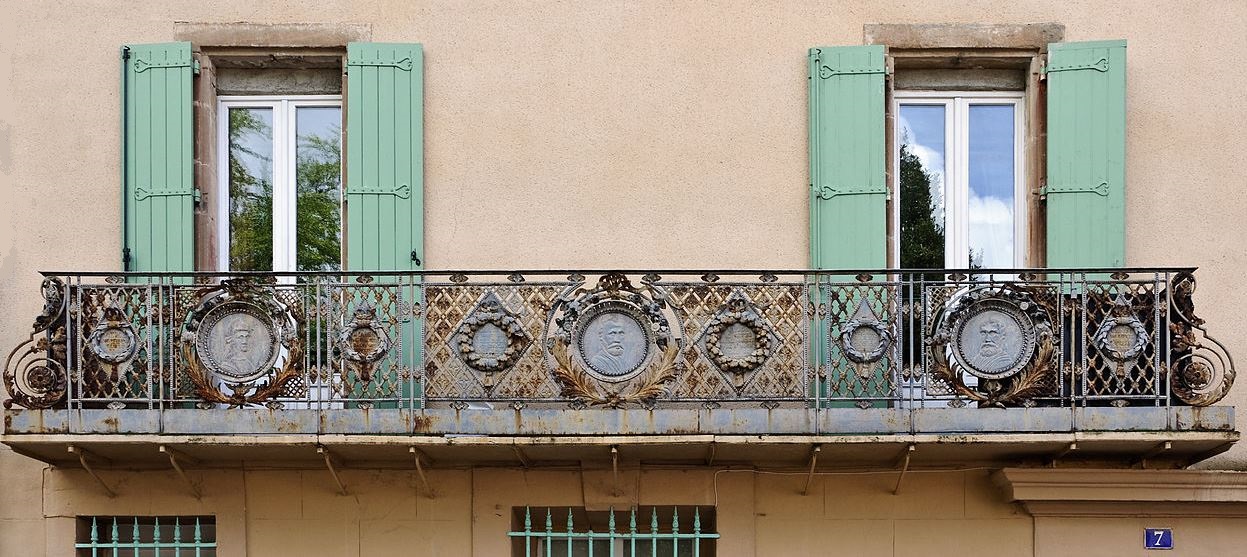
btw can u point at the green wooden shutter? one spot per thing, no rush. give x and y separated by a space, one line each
384 156
848 225
1086 185
157 158
385 182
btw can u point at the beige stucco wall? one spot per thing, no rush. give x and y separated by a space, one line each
299 512
597 134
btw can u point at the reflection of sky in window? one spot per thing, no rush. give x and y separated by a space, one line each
322 122
256 153
922 131
991 173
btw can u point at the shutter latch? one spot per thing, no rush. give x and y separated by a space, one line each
415 258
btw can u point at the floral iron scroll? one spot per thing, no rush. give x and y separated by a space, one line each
241 345
34 372
1002 336
613 345
1202 370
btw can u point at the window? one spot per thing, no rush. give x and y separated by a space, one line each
1068 149
960 184
278 218
115 536
646 531
280 182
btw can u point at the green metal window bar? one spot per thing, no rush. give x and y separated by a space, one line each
120 536
569 539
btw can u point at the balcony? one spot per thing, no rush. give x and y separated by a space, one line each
958 365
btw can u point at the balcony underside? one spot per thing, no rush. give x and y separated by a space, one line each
850 437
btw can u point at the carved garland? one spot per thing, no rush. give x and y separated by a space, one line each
491 313
755 323
579 386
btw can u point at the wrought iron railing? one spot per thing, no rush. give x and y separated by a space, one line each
884 338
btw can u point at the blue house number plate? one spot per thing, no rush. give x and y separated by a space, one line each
1158 538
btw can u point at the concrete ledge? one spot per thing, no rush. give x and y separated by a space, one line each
1114 492
239 421
244 34
633 421
963 35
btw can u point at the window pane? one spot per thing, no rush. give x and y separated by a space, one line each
251 189
990 208
318 175
922 186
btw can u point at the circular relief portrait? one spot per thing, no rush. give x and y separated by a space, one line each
613 343
994 342
238 341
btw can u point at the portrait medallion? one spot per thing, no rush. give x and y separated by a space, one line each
612 340
993 339
237 340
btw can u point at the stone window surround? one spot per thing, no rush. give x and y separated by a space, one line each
973 56
245 45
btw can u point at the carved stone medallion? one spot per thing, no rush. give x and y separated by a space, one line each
1122 336
113 341
490 338
364 342
739 339
613 344
993 339
611 339
238 340
863 338
241 343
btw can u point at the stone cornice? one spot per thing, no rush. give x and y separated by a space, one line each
1099 492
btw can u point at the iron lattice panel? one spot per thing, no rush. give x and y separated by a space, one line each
781 376
842 377
1137 377
142 376
448 378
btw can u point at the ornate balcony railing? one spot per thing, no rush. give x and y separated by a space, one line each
802 339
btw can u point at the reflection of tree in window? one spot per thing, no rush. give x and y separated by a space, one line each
251 197
318 176
922 238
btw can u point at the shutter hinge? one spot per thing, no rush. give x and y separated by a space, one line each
827 72
403 63
828 192
402 191
1100 189
125 259
195 67
198 195
141 193
415 258
125 53
1100 65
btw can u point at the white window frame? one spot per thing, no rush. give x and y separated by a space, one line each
956 168
285 148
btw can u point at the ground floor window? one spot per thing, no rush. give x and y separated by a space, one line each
646 531
146 536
